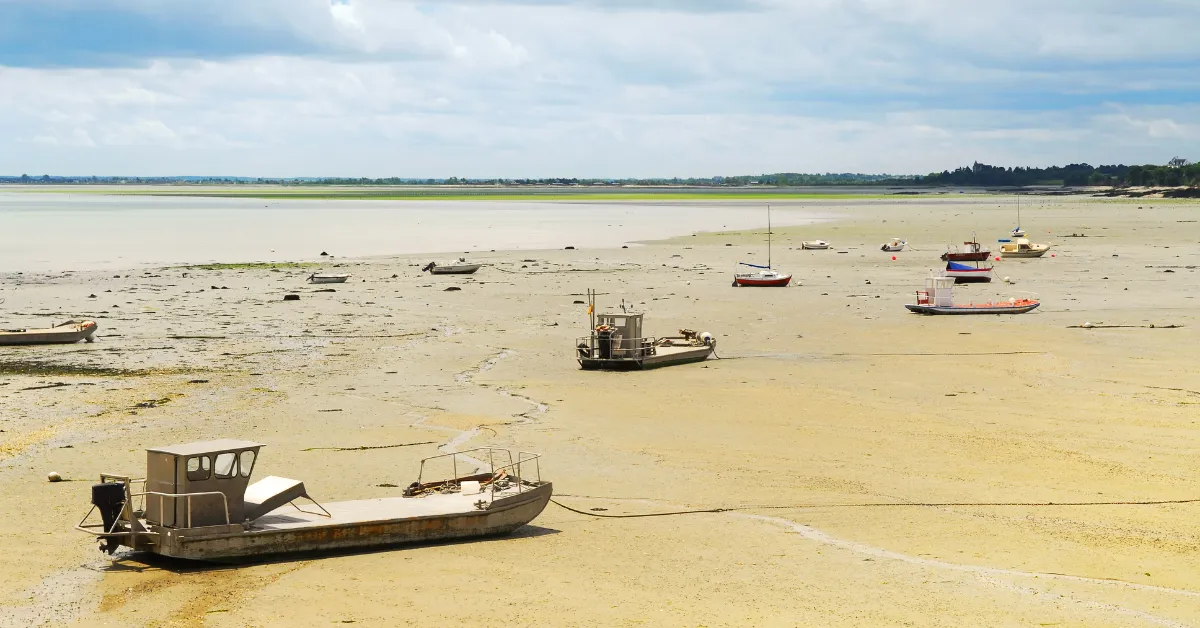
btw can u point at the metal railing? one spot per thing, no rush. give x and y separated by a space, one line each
83 526
512 468
620 348
163 496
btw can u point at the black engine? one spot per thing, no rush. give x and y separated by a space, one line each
109 499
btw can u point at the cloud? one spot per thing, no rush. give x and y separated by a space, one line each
590 88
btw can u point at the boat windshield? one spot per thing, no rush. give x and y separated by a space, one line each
246 463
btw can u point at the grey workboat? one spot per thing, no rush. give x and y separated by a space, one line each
618 344
196 502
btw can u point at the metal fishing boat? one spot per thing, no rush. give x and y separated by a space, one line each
971 251
64 333
196 502
938 298
617 344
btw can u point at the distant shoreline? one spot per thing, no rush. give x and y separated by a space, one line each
582 193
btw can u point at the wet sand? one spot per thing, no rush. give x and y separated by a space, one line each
827 395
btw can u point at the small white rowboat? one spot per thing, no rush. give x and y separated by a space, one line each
814 245
66 333
461 267
328 278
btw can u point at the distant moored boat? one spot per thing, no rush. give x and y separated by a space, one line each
65 333
328 278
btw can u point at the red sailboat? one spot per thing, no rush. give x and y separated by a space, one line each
765 277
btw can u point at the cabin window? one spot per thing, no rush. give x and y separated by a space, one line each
246 464
198 468
226 465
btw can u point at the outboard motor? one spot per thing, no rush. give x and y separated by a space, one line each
109 499
604 338
429 267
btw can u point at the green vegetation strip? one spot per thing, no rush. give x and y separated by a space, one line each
29 367
393 195
250 266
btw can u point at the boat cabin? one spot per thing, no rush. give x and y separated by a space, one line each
939 292
618 335
191 485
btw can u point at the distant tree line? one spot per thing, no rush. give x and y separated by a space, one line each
1178 174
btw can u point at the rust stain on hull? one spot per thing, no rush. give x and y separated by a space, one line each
504 517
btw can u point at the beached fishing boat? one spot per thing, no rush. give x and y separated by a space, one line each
1022 248
894 245
814 245
460 267
328 278
966 273
765 277
938 298
196 502
972 251
616 343
63 333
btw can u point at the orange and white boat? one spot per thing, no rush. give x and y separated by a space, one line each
938 298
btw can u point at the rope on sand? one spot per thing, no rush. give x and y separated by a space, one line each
366 447
1165 502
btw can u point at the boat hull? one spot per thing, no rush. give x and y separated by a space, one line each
756 282
1024 254
958 310
454 270
328 279
62 334
503 517
966 277
963 273
813 246
981 256
661 359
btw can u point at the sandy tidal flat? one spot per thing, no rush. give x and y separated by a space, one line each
847 438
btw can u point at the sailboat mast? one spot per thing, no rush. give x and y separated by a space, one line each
768 236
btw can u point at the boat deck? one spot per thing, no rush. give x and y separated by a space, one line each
374 510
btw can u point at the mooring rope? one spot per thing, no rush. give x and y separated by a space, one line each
1163 502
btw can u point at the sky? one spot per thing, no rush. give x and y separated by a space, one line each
591 88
